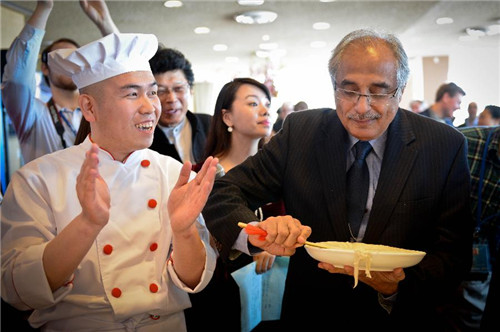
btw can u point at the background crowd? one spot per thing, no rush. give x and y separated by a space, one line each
117 132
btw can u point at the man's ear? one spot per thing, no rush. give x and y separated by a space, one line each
227 117
45 69
88 106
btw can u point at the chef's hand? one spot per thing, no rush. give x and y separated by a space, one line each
386 283
284 235
92 190
188 198
263 262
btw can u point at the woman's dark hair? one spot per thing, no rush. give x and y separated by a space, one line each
83 131
219 139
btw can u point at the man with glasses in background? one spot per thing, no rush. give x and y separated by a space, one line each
358 173
180 133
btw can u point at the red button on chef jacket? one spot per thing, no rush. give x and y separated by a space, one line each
153 246
116 292
108 249
153 288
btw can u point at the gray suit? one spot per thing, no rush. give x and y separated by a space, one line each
421 203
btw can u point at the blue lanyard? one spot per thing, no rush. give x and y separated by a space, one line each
480 186
61 113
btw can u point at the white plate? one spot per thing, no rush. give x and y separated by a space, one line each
371 257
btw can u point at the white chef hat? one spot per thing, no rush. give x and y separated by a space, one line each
115 54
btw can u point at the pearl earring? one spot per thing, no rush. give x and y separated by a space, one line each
230 129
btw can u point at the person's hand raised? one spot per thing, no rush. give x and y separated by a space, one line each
98 12
45 3
188 198
92 190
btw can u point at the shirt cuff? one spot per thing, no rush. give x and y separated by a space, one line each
387 302
242 244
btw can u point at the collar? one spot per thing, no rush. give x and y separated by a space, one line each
378 143
133 157
65 109
176 129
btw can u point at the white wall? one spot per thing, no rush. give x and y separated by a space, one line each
477 71
12 23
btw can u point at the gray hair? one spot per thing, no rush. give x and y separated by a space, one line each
370 37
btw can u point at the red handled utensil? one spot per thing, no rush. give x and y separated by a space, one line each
254 230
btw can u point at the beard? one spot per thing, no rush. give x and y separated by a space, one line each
62 82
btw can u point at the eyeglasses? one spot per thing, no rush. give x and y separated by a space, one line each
374 99
179 90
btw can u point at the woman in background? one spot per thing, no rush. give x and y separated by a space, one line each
240 121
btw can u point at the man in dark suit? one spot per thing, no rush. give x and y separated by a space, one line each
180 133
418 198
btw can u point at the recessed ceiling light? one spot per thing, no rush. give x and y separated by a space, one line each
266 37
201 30
493 30
172 4
318 44
321 26
268 46
219 47
262 54
256 17
250 2
476 32
444 20
231 59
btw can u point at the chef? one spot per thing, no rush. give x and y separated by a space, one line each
107 234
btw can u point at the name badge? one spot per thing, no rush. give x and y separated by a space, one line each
481 257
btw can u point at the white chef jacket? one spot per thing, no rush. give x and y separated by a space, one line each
129 258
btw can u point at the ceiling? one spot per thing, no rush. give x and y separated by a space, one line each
413 21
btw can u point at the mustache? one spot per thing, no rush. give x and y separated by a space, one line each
365 116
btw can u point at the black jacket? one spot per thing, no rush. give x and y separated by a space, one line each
200 124
421 203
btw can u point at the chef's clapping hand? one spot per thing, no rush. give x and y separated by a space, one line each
386 283
284 235
188 198
92 190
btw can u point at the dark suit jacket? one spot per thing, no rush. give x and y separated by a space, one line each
421 203
200 124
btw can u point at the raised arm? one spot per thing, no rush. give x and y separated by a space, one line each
19 83
41 14
98 13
